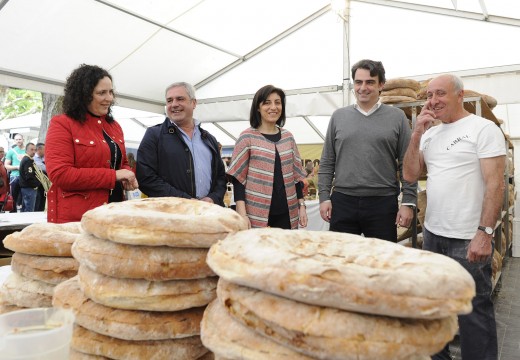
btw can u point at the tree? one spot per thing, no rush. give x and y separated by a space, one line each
19 102
52 105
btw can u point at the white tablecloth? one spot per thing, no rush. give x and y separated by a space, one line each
315 221
18 221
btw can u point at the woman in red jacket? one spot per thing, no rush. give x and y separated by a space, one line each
85 149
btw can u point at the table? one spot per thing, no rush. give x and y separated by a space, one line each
17 221
12 222
315 222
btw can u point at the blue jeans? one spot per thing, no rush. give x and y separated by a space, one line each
478 330
28 199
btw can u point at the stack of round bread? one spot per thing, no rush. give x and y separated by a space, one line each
399 90
325 295
42 259
143 281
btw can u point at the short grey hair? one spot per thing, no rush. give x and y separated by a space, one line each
190 89
458 85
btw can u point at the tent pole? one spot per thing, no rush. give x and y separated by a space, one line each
346 53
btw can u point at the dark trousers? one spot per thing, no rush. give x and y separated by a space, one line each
281 221
40 199
372 216
478 330
14 183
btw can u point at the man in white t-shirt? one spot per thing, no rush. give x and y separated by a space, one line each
465 161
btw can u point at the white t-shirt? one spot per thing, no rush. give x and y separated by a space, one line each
455 185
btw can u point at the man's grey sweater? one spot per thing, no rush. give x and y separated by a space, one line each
364 154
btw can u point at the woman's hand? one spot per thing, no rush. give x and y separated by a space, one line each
127 179
303 216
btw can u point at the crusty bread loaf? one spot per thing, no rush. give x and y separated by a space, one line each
24 292
49 269
135 294
126 324
89 342
328 333
78 355
229 339
6 307
44 239
154 263
167 221
345 271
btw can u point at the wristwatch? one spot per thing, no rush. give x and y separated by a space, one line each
488 230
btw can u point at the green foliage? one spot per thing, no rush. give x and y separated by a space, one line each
19 102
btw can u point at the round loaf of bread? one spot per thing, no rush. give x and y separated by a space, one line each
47 239
77 355
6 307
229 339
89 342
24 292
345 271
126 324
167 221
154 263
136 294
328 333
49 269
401 83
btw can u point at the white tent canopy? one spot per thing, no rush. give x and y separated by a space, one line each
230 48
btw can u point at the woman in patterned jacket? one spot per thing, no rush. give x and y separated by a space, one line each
266 168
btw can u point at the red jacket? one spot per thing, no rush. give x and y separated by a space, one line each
78 164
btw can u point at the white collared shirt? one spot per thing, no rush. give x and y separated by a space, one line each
369 112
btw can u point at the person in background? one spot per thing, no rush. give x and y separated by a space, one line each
266 166
39 160
2 154
363 153
309 167
4 182
28 181
86 155
12 163
465 160
131 161
178 157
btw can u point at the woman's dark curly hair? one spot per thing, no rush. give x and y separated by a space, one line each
78 91
260 97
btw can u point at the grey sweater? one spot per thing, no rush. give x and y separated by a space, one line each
364 154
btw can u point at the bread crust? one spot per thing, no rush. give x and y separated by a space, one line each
27 293
138 294
345 271
49 269
154 263
126 324
89 342
229 339
166 221
327 333
47 239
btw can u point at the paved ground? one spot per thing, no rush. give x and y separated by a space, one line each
507 309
